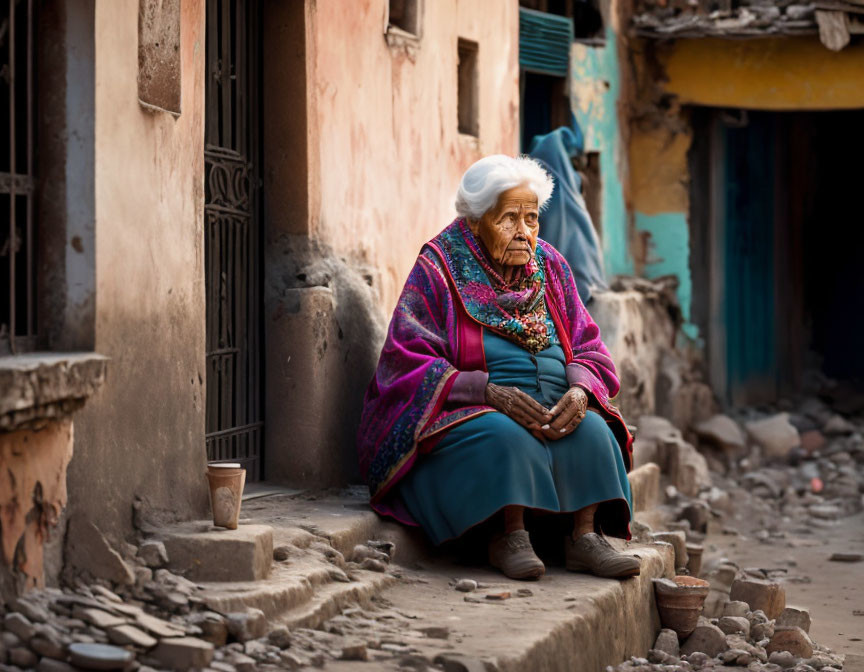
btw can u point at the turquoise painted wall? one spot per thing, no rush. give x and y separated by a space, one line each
595 85
669 254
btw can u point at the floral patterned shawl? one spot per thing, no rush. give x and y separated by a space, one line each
436 332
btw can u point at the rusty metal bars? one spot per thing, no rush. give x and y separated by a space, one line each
234 414
17 308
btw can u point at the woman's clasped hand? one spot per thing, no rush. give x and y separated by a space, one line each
546 423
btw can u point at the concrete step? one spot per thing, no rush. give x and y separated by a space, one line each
566 622
331 599
645 487
202 552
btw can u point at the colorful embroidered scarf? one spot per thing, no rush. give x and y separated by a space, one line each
436 332
517 313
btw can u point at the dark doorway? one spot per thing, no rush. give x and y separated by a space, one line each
544 105
775 248
232 236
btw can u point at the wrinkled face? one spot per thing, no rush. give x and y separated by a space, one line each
509 229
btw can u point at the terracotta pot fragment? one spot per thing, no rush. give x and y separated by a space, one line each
679 602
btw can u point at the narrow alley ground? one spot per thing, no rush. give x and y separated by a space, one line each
798 557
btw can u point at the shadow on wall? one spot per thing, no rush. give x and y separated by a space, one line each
323 333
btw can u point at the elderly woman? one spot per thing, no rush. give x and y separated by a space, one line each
491 396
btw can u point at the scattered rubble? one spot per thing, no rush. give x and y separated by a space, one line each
674 19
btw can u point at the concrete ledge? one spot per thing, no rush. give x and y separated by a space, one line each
570 622
645 487
204 553
46 385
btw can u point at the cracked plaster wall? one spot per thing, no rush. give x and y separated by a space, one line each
143 434
33 494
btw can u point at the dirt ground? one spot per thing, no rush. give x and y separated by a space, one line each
832 591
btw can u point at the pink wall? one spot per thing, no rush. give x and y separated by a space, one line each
385 152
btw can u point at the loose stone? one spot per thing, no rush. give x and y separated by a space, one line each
782 658
791 639
355 651
246 625
182 653
707 639
736 608
797 616
20 626
280 637
130 635
48 646
153 554
52 665
667 642
733 624
466 585
373 565
767 596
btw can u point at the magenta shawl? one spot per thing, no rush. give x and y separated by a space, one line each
436 332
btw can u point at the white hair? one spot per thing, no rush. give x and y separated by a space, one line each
486 179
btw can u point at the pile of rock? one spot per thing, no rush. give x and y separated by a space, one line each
755 631
809 463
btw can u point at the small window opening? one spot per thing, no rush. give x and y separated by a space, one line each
467 88
405 15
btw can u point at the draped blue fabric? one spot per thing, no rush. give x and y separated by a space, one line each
565 222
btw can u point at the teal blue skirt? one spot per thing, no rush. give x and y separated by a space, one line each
491 461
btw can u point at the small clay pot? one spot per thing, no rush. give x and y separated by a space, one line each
694 559
679 602
226 492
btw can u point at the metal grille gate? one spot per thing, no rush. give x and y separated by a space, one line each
17 177
232 236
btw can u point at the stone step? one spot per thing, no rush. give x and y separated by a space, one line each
568 622
332 598
645 487
202 552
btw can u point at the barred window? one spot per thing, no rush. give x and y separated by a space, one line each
17 176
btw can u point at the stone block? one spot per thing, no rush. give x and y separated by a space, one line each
244 554
768 596
688 469
645 487
775 435
183 653
791 639
678 539
797 616
707 639
722 431
734 624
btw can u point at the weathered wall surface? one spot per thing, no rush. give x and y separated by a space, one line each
144 435
389 155
380 159
767 74
598 86
32 496
764 74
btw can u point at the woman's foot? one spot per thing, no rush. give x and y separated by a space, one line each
513 555
592 553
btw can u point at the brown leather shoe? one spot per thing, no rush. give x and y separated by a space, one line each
592 553
514 556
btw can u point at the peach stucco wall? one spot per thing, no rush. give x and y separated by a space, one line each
144 434
386 155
